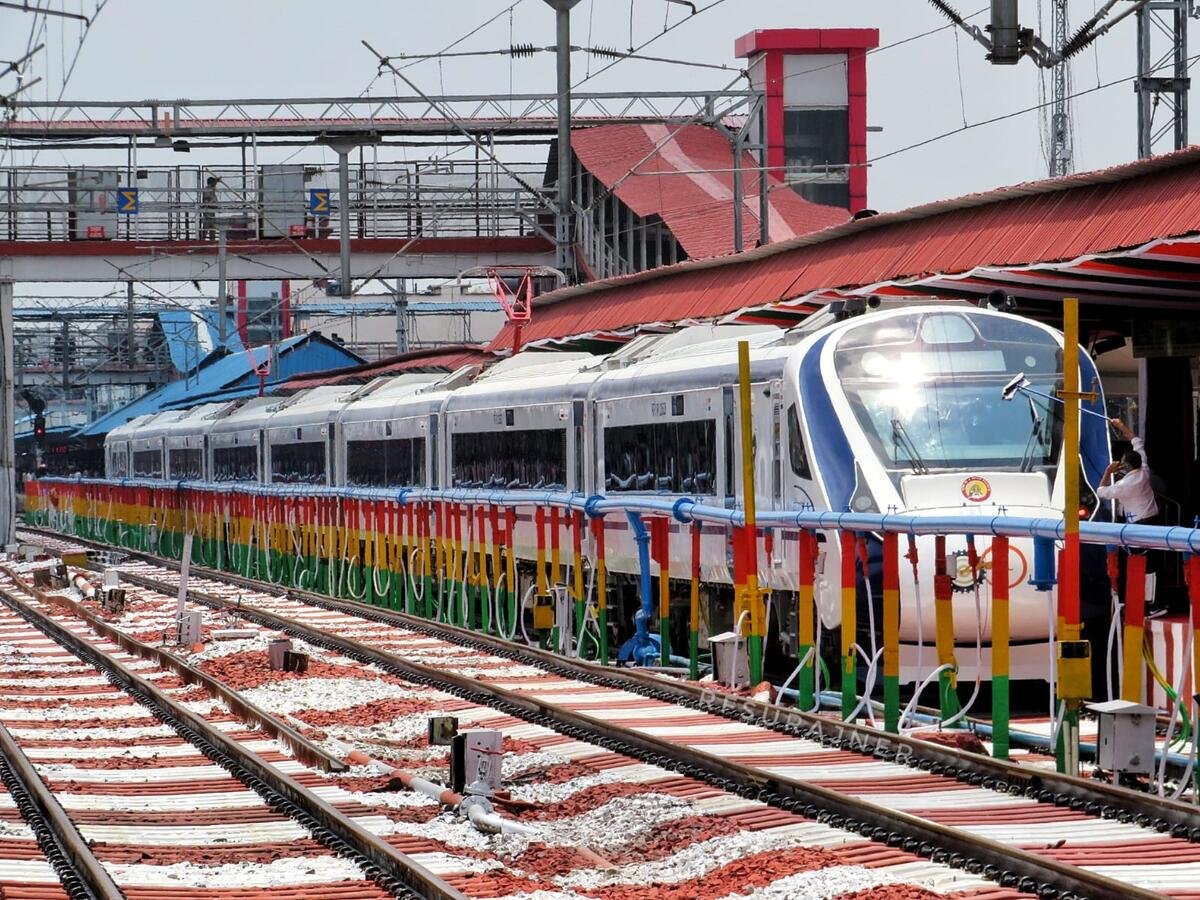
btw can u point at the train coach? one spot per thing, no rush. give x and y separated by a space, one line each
895 409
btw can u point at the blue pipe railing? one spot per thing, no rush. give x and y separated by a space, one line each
686 509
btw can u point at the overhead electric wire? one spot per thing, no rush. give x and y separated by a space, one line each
648 42
632 171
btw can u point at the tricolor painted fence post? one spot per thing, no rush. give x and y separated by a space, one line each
1132 666
1193 564
943 612
577 576
805 620
849 683
1000 648
891 632
694 607
660 534
601 587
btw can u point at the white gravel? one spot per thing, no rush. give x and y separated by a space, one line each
618 822
308 870
325 693
819 883
690 862
514 764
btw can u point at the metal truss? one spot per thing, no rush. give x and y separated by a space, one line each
518 114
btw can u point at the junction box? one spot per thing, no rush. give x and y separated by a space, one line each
1125 745
731 659
1074 671
475 761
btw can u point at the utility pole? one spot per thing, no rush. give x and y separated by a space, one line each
401 317
8 456
1162 73
564 261
222 290
1061 156
130 346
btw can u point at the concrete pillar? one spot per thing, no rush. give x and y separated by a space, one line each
8 473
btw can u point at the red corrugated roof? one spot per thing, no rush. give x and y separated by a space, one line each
1054 220
446 358
695 197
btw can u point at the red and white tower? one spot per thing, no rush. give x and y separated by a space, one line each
815 82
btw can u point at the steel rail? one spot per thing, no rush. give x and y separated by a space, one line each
1016 867
390 868
1096 797
82 874
254 716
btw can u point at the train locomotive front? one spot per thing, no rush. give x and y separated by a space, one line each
905 411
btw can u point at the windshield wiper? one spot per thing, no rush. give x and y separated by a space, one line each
1035 438
900 438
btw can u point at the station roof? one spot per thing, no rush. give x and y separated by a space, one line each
231 377
445 358
688 182
1120 237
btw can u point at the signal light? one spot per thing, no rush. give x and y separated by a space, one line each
39 427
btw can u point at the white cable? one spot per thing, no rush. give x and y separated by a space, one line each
1176 713
912 704
869 687
978 664
521 613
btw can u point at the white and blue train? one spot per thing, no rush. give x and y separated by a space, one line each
897 408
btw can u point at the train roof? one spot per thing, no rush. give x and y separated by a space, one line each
126 430
389 398
316 405
244 417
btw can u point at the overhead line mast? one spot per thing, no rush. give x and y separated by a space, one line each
1007 42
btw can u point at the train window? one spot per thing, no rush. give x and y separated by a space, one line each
925 405
511 459
298 463
183 464
675 457
119 464
235 464
395 463
796 452
147 464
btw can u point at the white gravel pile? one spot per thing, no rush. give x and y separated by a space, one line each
514 764
325 693
691 862
819 883
310 870
620 821
556 793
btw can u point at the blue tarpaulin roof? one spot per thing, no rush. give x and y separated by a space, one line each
193 335
231 377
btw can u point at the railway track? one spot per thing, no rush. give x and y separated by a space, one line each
168 790
693 839
1026 829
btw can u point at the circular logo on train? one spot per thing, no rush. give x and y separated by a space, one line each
976 488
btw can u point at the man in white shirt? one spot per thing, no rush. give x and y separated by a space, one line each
1133 491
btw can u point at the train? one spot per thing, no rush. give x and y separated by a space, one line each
868 407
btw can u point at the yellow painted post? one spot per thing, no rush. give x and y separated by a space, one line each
1073 674
753 597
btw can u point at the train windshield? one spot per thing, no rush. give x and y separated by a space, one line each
926 390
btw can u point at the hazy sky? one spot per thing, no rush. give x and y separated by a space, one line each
265 48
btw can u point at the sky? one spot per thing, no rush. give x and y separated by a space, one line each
936 90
